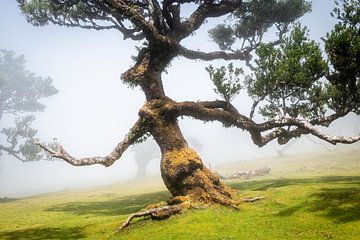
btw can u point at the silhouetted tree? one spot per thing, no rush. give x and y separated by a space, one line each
20 94
291 84
144 153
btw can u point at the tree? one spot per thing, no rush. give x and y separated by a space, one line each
293 87
20 93
143 154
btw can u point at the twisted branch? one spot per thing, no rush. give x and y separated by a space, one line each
227 114
137 17
206 10
236 55
136 132
155 213
13 152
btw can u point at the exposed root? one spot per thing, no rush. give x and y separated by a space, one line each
155 213
177 205
253 199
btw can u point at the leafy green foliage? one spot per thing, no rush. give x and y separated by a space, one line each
21 92
223 35
254 18
20 89
226 81
342 46
288 77
63 13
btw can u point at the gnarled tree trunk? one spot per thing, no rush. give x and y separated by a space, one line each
182 169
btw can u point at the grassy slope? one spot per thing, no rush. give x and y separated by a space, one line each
308 197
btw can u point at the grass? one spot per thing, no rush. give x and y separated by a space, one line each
314 197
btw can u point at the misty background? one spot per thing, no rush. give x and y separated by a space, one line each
93 109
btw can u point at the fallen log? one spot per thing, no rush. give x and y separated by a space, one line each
250 174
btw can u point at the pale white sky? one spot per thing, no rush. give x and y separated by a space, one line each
93 109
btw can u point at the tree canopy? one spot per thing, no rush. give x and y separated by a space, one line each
20 94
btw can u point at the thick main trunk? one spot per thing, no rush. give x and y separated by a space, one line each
183 171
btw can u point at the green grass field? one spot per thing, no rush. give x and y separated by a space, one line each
313 196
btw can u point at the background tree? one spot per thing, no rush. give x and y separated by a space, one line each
291 84
20 94
145 152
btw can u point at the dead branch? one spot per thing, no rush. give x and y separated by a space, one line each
209 56
250 174
154 213
136 132
253 199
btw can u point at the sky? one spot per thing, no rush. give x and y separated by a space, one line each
94 110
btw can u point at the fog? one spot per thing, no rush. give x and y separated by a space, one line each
94 109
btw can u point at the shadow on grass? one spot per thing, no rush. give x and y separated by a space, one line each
43 233
121 206
340 204
263 185
291 210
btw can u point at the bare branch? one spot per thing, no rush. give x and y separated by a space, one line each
255 104
134 15
136 132
157 213
254 199
236 55
13 152
309 128
206 10
171 13
157 15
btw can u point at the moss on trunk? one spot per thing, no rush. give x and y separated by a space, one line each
185 175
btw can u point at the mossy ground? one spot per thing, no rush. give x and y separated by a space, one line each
307 197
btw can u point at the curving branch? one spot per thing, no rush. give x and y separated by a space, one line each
155 213
171 13
134 14
131 33
118 20
254 105
157 15
136 132
209 56
13 152
227 114
207 9
244 53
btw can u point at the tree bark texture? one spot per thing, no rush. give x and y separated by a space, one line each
182 169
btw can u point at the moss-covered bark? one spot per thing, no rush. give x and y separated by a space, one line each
182 169
185 175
